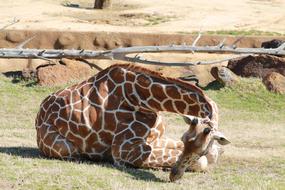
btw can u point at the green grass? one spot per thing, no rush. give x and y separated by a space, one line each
244 33
251 117
239 33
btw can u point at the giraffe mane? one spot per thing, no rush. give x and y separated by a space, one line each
159 75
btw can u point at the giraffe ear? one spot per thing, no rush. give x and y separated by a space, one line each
191 121
187 120
220 137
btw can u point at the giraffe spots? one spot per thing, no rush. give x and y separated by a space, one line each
75 96
154 104
124 135
75 140
77 116
73 127
83 130
50 118
65 112
48 101
172 92
194 110
143 80
114 100
78 105
169 106
98 147
128 88
91 80
61 126
130 77
139 129
124 153
103 90
100 81
188 99
79 129
125 106
180 106
91 114
194 97
96 121
101 74
39 118
124 116
143 93
147 118
110 122
121 127
106 137
161 128
94 97
110 85
158 152
117 74
111 103
84 89
158 93
91 140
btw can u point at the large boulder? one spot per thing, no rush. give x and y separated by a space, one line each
257 66
66 71
275 82
224 75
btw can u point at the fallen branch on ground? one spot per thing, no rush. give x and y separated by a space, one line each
124 52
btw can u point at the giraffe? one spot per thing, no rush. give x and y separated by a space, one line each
114 116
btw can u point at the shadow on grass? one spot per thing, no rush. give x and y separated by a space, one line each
24 152
30 152
215 85
17 77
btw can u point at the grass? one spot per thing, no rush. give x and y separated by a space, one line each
244 33
239 33
250 116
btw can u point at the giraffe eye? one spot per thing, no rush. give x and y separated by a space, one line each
207 131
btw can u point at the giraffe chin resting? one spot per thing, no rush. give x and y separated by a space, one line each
200 148
114 115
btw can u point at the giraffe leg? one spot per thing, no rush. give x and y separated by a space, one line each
54 145
164 154
131 151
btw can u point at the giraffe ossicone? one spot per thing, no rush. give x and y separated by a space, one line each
114 115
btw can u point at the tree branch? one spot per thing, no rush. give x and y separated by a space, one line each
121 53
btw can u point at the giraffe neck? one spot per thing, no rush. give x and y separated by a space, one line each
157 93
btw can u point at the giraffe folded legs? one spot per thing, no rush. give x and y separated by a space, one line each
162 153
54 145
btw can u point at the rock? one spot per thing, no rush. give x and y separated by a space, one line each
62 73
257 66
66 41
15 37
275 82
224 76
272 43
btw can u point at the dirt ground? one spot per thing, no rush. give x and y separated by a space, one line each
146 16
134 22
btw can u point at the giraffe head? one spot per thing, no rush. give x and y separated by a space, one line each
197 140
